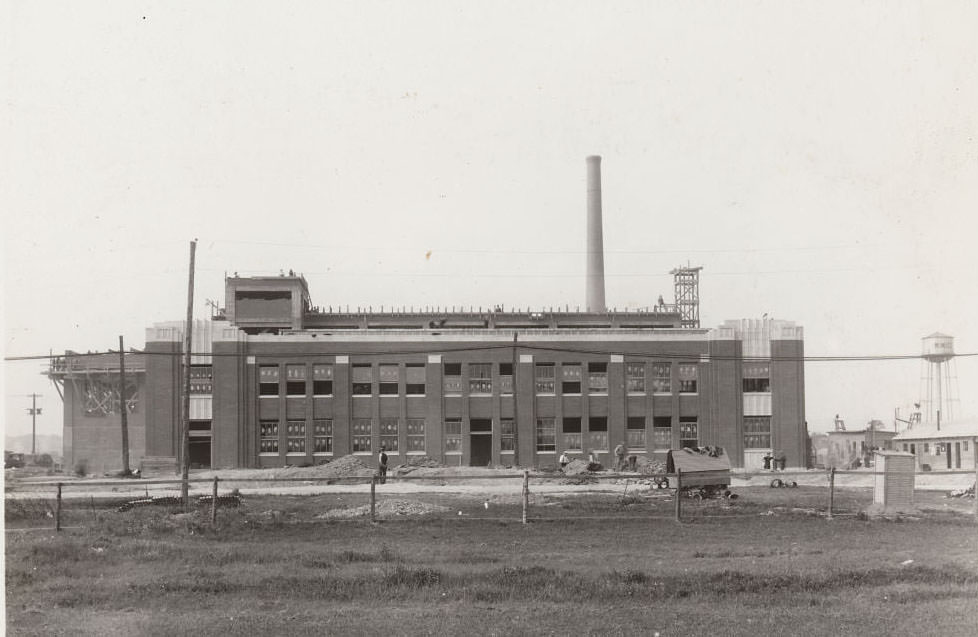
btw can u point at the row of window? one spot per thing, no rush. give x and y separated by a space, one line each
757 434
575 378
939 447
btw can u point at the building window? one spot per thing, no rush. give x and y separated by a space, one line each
295 380
635 432
927 448
202 379
571 430
661 433
505 378
268 436
268 380
361 435
415 381
322 432
757 378
388 434
480 378
597 378
597 436
662 378
362 380
322 380
453 379
415 435
546 436
964 445
688 432
507 435
453 435
757 432
544 378
904 446
635 377
570 378
687 373
389 378
295 437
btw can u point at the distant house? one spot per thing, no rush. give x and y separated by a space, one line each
851 449
949 448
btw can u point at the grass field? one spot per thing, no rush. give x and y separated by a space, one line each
596 565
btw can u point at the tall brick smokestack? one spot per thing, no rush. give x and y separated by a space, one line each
594 292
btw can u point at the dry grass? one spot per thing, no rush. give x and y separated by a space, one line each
270 568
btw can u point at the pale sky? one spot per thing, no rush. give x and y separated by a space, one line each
817 159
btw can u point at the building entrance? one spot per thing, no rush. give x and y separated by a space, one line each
200 453
480 447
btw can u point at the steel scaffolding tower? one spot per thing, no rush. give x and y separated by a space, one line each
687 283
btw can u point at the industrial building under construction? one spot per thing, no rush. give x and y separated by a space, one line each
277 381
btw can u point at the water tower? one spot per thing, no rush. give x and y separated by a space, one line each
937 382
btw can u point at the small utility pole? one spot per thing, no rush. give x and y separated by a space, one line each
35 412
185 459
123 408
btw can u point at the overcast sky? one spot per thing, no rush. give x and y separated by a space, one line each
817 159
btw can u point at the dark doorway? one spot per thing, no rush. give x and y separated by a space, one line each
481 449
957 455
200 453
947 452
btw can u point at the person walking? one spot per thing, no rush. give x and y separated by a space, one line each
382 465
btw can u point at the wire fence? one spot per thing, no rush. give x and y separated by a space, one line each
513 497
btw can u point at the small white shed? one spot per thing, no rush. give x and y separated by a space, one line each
894 479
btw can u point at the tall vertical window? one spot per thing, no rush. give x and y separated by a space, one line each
202 379
480 378
597 378
635 432
507 434
546 436
361 435
597 433
415 435
388 433
389 378
363 380
688 432
544 378
635 377
687 373
757 432
453 379
662 378
661 433
295 440
453 435
295 380
756 377
268 436
415 380
570 378
322 380
571 430
505 378
322 436
268 380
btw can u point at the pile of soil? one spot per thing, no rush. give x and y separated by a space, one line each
342 467
649 467
416 462
385 509
576 467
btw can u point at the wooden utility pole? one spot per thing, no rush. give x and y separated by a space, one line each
34 412
123 408
185 455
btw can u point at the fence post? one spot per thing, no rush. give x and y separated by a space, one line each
373 498
185 491
679 495
831 491
214 503
974 446
57 510
526 493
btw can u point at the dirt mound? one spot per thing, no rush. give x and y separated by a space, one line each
343 467
385 509
576 467
649 467
416 462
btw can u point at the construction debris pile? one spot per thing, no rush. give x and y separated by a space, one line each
172 501
963 493
384 509
416 462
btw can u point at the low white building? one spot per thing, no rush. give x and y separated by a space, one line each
951 447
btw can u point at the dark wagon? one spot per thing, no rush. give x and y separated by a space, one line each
705 471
